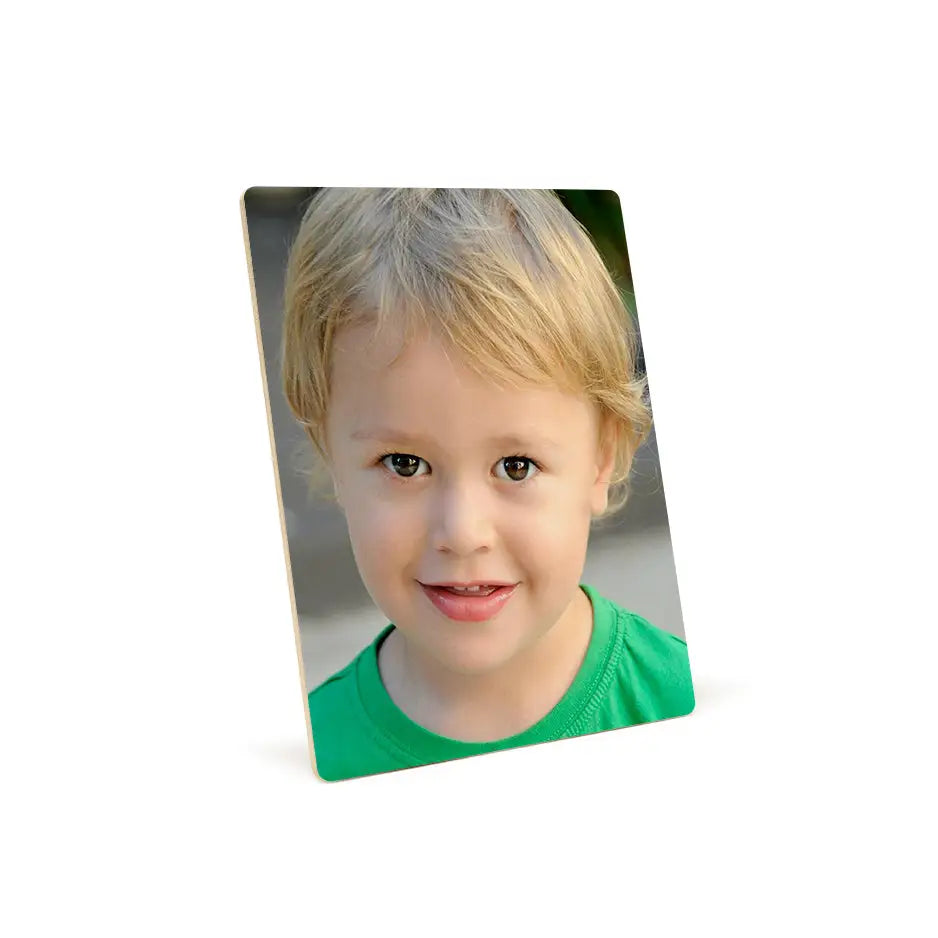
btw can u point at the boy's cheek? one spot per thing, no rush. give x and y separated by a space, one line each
559 532
377 530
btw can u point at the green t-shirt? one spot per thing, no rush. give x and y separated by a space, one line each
632 673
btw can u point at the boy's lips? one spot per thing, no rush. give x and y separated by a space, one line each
473 601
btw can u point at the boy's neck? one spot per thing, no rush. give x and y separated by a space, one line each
495 705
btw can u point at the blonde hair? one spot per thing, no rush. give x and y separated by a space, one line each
507 277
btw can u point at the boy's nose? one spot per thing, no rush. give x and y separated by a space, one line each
461 522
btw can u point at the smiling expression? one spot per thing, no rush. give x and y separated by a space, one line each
468 502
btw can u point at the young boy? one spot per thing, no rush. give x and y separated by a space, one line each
464 366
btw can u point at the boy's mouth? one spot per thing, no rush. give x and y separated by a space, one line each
477 590
469 602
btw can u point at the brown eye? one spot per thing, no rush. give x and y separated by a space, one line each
405 465
515 468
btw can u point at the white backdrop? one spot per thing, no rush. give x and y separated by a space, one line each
775 168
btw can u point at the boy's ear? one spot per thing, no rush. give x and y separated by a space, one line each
326 476
338 496
336 490
605 466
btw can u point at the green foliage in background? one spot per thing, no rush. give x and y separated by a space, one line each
599 211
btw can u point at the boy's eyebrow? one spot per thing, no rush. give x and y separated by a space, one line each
511 440
386 434
524 442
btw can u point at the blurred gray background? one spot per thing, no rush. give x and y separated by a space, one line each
629 559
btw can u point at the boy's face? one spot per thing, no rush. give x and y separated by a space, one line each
447 478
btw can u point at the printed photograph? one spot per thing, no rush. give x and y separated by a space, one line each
476 532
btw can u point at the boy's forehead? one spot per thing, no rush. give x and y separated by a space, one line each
393 390
396 359
363 345
396 353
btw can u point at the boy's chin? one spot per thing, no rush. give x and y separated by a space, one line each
472 651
